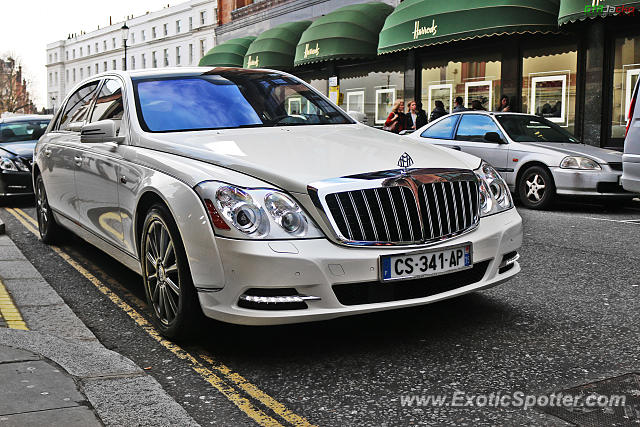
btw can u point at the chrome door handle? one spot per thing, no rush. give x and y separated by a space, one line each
123 179
47 152
78 160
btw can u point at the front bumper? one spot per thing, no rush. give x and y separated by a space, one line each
14 183
572 182
312 267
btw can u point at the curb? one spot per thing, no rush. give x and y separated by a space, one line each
120 392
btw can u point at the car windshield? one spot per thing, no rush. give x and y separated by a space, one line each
230 99
30 130
522 128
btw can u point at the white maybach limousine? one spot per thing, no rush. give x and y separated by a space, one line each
248 196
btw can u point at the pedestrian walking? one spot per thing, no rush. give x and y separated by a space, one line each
417 117
438 111
397 120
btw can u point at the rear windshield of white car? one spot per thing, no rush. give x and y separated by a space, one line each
230 99
523 128
30 130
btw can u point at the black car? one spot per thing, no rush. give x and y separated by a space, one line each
18 136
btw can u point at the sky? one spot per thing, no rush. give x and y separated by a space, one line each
29 25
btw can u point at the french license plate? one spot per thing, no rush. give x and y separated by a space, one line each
429 263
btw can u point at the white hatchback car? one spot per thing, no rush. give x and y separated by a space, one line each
536 157
250 196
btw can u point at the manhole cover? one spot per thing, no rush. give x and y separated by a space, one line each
611 402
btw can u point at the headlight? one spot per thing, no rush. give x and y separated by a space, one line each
22 164
259 213
578 162
7 164
494 193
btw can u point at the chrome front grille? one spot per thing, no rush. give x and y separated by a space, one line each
413 209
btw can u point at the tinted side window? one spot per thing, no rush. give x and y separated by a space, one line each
77 108
109 105
473 127
441 130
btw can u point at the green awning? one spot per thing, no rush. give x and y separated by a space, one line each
228 54
417 23
275 48
577 10
348 32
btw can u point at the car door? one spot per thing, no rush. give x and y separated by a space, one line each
441 132
470 137
60 151
97 170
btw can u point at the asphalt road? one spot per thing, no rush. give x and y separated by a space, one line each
571 317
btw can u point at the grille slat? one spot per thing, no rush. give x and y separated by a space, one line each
395 215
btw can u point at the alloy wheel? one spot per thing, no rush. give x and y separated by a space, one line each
161 270
42 207
535 187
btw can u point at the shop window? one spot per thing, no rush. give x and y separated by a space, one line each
626 71
549 84
371 89
471 78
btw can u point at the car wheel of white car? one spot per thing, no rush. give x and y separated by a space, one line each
49 229
536 188
167 279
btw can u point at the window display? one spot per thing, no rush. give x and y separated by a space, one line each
549 83
355 101
472 79
548 97
626 71
371 89
384 103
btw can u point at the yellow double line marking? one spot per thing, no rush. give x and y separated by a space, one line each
9 311
216 379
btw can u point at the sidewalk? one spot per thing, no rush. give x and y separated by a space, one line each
54 371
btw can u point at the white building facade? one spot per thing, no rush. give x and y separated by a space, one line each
174 36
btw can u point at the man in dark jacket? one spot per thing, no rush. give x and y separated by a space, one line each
438 112
459 107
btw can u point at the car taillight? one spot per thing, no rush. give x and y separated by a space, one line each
631 108
216 219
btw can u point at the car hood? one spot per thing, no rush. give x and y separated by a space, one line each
22 149
293 157
601 155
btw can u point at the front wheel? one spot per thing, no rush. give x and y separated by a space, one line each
166 275
536 188
49 229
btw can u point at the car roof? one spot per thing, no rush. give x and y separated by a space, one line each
25 117
175 71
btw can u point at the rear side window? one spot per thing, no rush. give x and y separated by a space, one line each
76 109
109 104
473 127
442 129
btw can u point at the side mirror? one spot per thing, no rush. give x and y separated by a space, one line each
493 137
100 131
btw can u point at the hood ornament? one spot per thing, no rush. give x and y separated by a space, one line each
404 162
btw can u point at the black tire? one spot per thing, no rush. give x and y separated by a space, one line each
50 231
168 285
536 188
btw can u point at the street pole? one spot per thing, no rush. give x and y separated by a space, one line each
125 36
